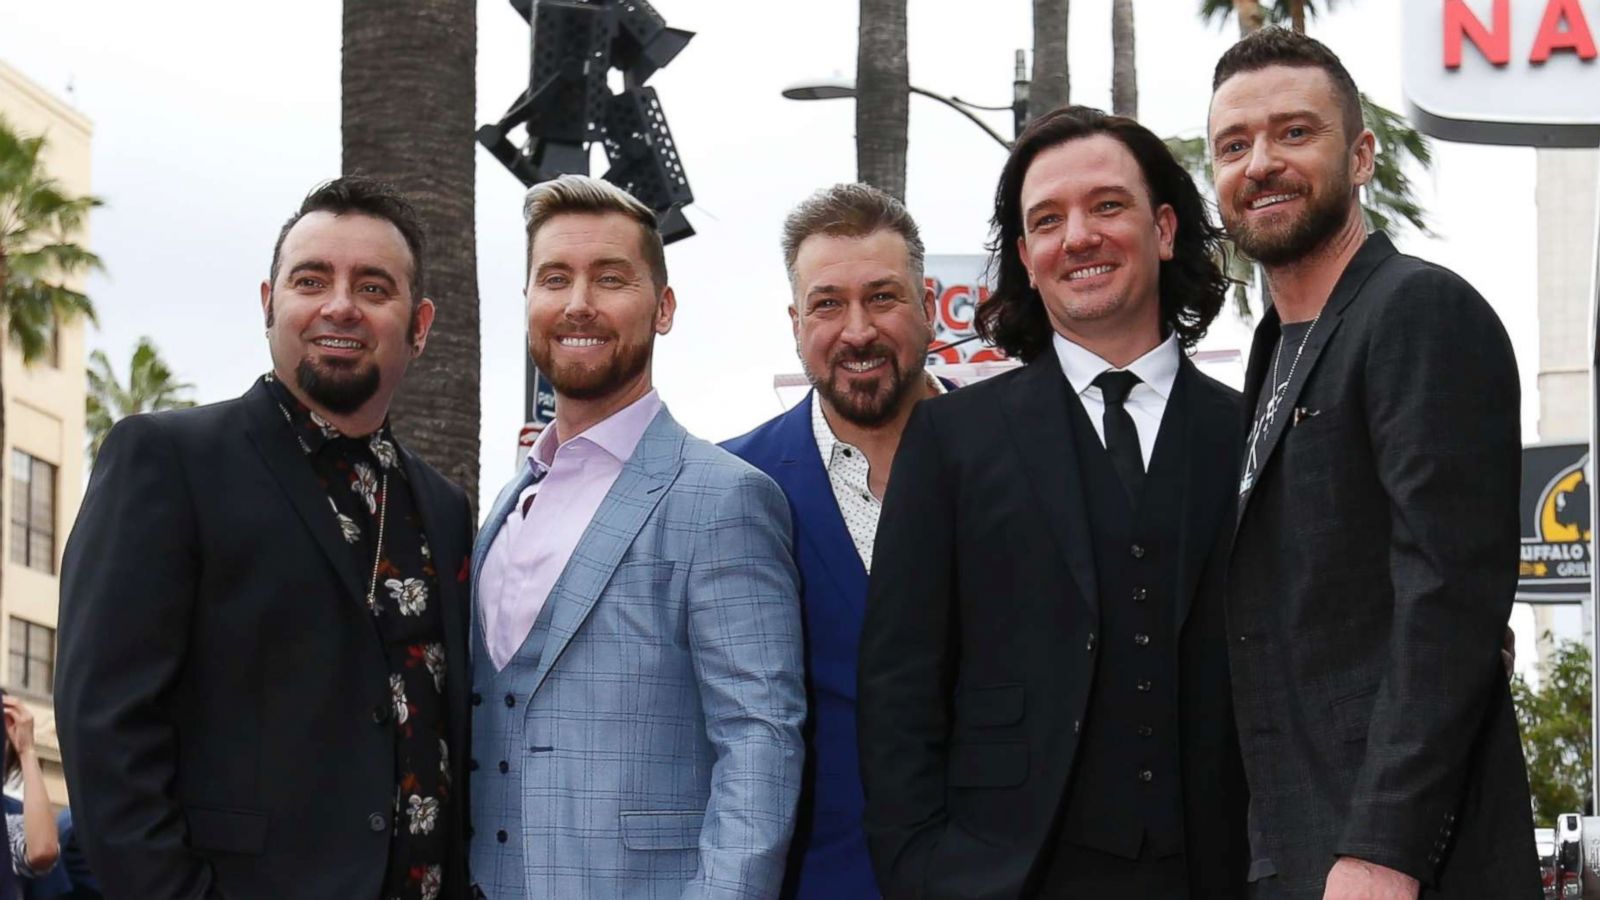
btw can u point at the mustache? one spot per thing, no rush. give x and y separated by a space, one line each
858 354
1252 189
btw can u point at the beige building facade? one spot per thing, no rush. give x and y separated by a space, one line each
43 445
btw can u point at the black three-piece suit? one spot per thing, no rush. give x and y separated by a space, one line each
223 697
1371 578
1043 674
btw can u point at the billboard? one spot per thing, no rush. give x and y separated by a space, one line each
1555 565
958 287
1520 72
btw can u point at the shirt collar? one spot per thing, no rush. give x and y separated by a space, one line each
314 432
822 432
617 434
1157 369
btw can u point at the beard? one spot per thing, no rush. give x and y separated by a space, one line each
339 389
867 402
1282 243
591 382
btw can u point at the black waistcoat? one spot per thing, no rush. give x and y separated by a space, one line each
1125 792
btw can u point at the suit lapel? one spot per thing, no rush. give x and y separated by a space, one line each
1210 434
270 435
1372 254
621 516
1037 416
804 479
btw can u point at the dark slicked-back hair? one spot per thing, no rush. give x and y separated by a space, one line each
1276 46
1192 286
367 197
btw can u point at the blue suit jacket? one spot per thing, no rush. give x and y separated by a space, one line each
663 721
828 858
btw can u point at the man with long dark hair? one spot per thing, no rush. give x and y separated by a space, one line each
1375 558
1044 701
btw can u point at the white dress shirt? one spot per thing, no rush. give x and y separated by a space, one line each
531 550
1157 370
847 470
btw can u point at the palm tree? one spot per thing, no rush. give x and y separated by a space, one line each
1124 68
883 95
1051 84
409 121
151 388
39 222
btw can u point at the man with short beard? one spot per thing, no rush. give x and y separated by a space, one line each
862 321
1374 561
262 688
637 657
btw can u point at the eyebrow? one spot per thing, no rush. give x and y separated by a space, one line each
1102 190
836 289
376 272
314 266
1274 119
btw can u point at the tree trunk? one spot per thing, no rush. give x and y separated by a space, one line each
1250 15
883 98
409 84
1124 69
1297 15
1052 82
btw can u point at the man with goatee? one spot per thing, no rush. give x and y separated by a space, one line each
637 674
263 681
862 321
1374 561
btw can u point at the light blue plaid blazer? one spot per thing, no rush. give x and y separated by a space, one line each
646 742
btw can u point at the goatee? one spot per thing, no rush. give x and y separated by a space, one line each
867 403
339 391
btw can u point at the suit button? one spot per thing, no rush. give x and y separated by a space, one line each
501 836
472 765
511 700
1143 685
1146 776
1146 731
1090 647
377 822
1077 725
1137 550
1141 639
381 714
477 699
1139 595
504 767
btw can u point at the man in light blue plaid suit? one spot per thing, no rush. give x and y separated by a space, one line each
637 672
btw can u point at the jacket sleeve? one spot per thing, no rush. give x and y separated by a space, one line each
907 665
1442 402
746 647
128 587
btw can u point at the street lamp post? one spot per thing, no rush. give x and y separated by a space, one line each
840 90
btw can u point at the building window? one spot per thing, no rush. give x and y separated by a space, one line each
33 512
33 656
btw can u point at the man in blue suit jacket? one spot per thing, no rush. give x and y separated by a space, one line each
862 322
637 669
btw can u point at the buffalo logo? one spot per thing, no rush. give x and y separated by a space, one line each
1564 506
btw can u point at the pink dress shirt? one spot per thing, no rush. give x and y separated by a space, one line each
530 552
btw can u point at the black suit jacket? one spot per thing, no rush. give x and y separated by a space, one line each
220 678
977 653
1372 575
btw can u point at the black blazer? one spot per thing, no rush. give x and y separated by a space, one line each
1372 576
220 677
977 652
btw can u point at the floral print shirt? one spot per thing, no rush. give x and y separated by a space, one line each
405 610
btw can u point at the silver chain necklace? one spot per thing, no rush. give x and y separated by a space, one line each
1276 387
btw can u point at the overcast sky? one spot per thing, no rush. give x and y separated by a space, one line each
213 119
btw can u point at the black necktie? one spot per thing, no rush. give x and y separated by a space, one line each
1122 438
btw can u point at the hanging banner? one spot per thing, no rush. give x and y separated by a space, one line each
1555 566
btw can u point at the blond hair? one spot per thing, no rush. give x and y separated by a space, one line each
584 195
